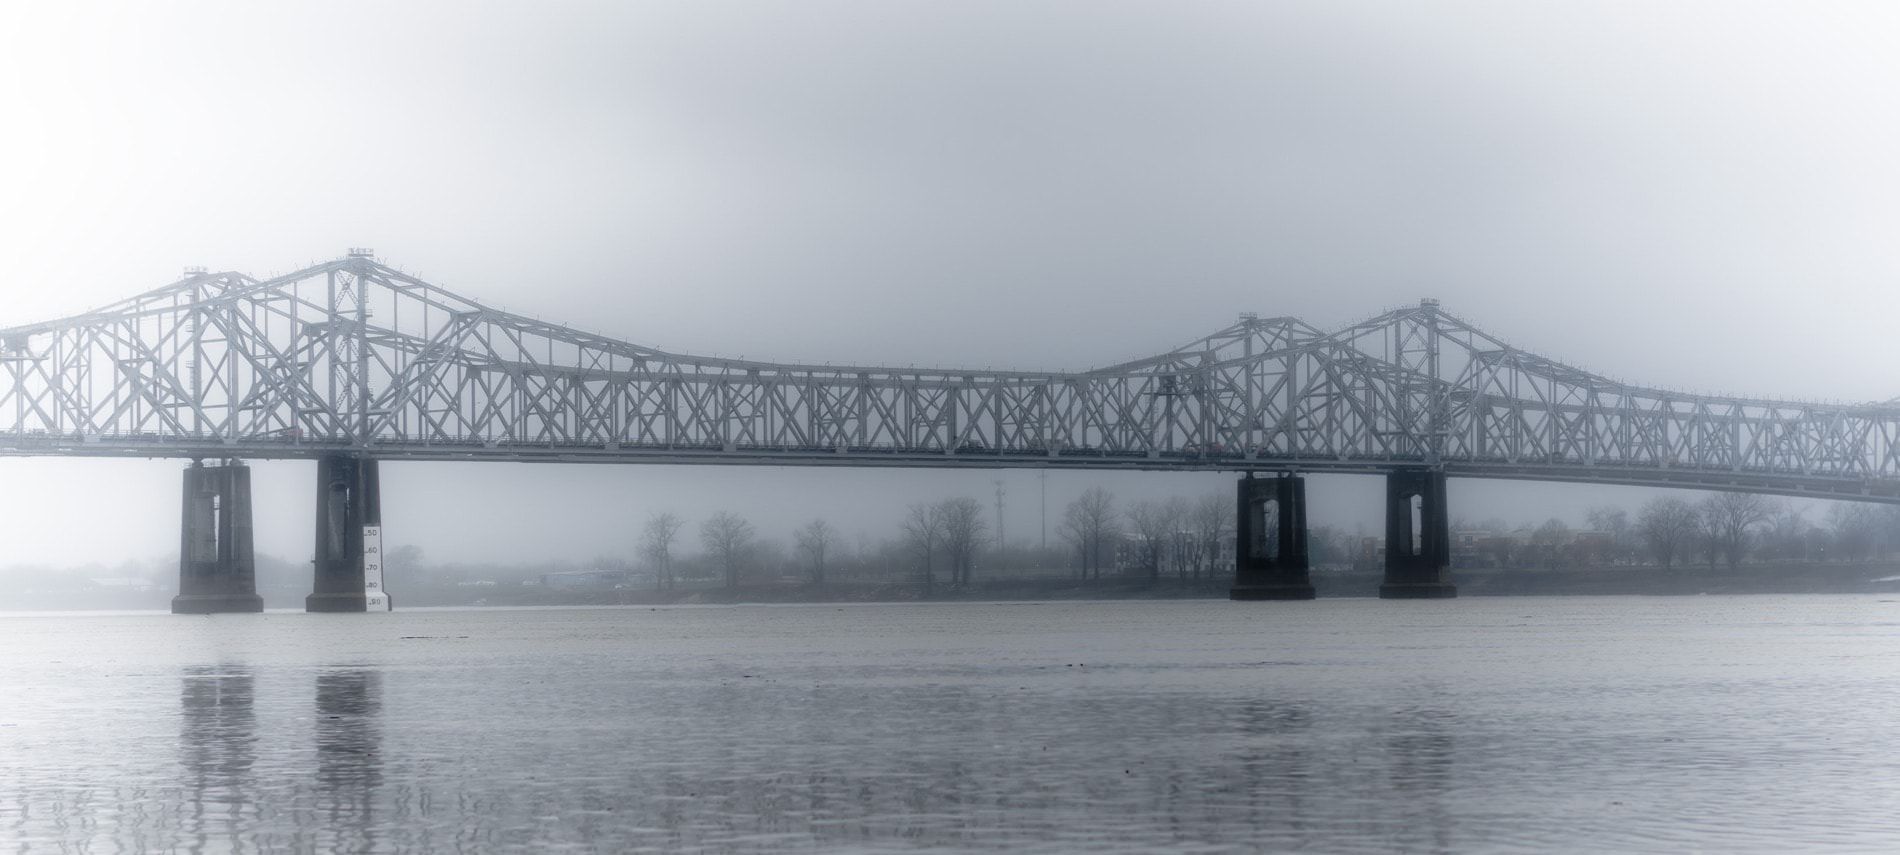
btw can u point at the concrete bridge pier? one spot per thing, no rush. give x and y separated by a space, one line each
217 568
348 501
1270 555
1417 536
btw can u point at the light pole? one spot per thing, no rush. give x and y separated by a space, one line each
1000 542
1042 476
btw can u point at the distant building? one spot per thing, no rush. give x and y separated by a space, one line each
125 583
585 580
1526 547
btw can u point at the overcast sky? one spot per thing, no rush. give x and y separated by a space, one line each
1694 195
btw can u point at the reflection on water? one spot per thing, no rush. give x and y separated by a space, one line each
1277 762
1345 727
349 765
1421 748
217 739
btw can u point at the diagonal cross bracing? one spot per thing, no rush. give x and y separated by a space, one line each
226 365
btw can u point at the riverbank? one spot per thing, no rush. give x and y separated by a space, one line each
1679 581
1793 578
840 592
1591 581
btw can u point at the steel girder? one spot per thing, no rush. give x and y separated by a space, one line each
355 355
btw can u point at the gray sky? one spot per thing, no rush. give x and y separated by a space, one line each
1695 194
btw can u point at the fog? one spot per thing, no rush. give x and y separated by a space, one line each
1693 195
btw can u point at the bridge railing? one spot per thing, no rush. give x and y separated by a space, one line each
355 354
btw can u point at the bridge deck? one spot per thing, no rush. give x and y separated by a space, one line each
355 356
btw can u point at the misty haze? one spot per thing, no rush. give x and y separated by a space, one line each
862 427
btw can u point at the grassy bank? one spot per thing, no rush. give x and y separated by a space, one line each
1676 581
1646 581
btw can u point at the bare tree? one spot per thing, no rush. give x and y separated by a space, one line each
963 535
1328 545
923 527
1729 519
1152 521
1180 540
1855 528
1552 533
815 539
1086 524
1668 525
1614 520
728 539
1707 537
1887 529
1212 521
1550 539
657 538
1786 534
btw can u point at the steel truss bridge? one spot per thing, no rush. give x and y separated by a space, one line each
353 356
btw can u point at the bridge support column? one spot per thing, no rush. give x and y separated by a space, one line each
1417 537
1270 556
217 568
349 498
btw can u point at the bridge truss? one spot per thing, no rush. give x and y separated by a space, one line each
355 356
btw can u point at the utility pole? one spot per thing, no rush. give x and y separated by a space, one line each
1000 542
1042 476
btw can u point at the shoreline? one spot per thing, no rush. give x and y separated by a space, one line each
1791 578
1593 581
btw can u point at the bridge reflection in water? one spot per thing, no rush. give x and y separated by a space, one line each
352 361
219 746
218 751
349 756
662 778
1532 724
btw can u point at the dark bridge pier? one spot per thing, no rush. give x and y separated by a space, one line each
217 568
1417 537
348 498
1270 556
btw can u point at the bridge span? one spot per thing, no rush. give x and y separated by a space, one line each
352 361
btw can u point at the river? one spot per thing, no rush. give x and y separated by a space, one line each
1525 724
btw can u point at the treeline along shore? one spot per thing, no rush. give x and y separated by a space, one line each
1584 581
1099 548
525 587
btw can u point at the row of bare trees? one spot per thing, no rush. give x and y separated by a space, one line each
1730 527
1176 533
953 528
728 540
1187 537
1723 526
952 534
